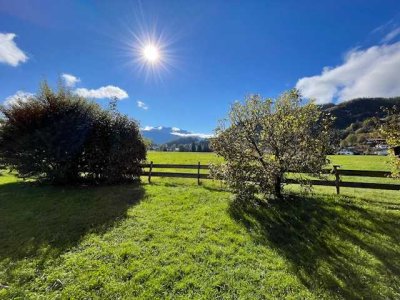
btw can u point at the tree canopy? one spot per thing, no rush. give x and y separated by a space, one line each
391 131
263 139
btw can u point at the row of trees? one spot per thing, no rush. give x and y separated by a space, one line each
60 137
197 146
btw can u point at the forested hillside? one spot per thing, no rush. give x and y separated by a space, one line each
358 110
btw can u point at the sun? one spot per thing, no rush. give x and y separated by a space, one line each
151 53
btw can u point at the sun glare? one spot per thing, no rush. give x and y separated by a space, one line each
151 53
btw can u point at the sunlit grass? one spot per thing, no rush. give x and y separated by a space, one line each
354 162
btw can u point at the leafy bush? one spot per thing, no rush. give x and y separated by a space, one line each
267 138
62 138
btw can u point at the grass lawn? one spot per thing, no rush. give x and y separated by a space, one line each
353 162
173 239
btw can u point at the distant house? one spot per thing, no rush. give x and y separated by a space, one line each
381 152
345 152
382 147
375 141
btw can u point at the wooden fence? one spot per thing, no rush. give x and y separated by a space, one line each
336 171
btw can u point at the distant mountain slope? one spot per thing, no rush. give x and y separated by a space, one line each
162 135
358 110
183 141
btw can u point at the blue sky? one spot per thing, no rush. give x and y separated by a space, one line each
211 52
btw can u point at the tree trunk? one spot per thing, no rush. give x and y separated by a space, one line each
278 186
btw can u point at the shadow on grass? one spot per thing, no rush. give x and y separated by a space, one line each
50 219
332 244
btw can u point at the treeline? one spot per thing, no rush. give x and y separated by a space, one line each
358 110
187 144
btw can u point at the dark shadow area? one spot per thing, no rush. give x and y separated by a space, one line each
335 244
34 218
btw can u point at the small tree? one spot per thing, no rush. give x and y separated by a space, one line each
266 138
391 131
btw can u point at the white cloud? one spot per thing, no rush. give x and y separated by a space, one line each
142 105
19 96
9 52
175 129
147 128
108 91
373 72
200 135
70 80
391 35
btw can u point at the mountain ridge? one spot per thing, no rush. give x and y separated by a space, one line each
358 110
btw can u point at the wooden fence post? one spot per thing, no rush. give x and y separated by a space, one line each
337 178
151 168
198 174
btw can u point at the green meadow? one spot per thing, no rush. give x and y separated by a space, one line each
354 162
173 239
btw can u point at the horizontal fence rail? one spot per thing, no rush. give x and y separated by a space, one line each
181 175
337 182
175 166
364 173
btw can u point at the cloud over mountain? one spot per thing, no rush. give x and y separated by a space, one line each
161 135
373 72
